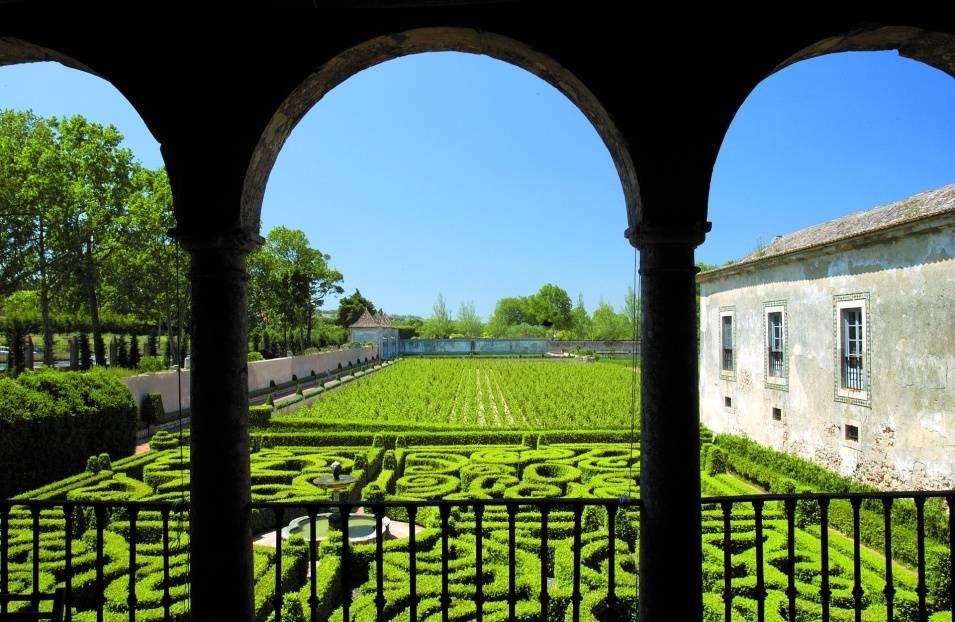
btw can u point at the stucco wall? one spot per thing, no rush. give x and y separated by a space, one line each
596 346
478 346
907 431
260 373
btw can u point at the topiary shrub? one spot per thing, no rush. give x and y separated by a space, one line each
594 519
151 409
163 440
260 416
104 462
92 464
51 421
150 364
716 461
254 356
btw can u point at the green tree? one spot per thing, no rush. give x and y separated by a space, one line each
289 280
608 325
469 322
580 319
510 312
551 307
140 274
33 190
631 311
99 172
439 325
351 307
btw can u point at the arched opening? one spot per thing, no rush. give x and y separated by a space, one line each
471 407
94 293
824 278
381 49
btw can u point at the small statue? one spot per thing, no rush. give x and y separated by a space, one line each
336 470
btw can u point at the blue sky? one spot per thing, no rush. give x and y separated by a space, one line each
468 176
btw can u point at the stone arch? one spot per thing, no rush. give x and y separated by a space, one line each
384 48
936 49
15 51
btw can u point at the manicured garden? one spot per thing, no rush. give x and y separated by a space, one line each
393 457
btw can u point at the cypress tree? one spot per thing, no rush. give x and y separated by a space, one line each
167 354
86 355
16 357
134 355
122 354
152 348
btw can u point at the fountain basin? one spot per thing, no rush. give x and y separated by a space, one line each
361 527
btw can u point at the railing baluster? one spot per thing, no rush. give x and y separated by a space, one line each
312 561
921 590
760 580
380 563
544 554
445 595
478 562
131 600
889 589
166 598
279 592
791 556
824 592
612 556
512 561
4 558
856 560
100 512
35 594
951 553
727 507
413 561
575 597
68 562
346 562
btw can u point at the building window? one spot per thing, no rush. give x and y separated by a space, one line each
777 414
774 349
726 333
727 343
852 433
727 401
853 369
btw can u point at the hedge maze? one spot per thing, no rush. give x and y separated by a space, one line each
434 460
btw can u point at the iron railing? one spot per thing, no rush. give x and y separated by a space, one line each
132 510
853 376
776 368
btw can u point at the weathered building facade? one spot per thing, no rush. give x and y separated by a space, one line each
837 343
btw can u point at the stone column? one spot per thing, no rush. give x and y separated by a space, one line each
670 529
220 527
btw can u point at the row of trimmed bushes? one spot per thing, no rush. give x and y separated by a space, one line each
52 421
782 473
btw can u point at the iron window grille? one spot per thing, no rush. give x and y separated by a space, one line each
728 343
853 374
775 345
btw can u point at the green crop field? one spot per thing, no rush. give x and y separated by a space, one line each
413 453
504 394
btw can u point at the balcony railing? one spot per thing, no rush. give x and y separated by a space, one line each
127 514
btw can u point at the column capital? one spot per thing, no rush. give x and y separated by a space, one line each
645 235
238 240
